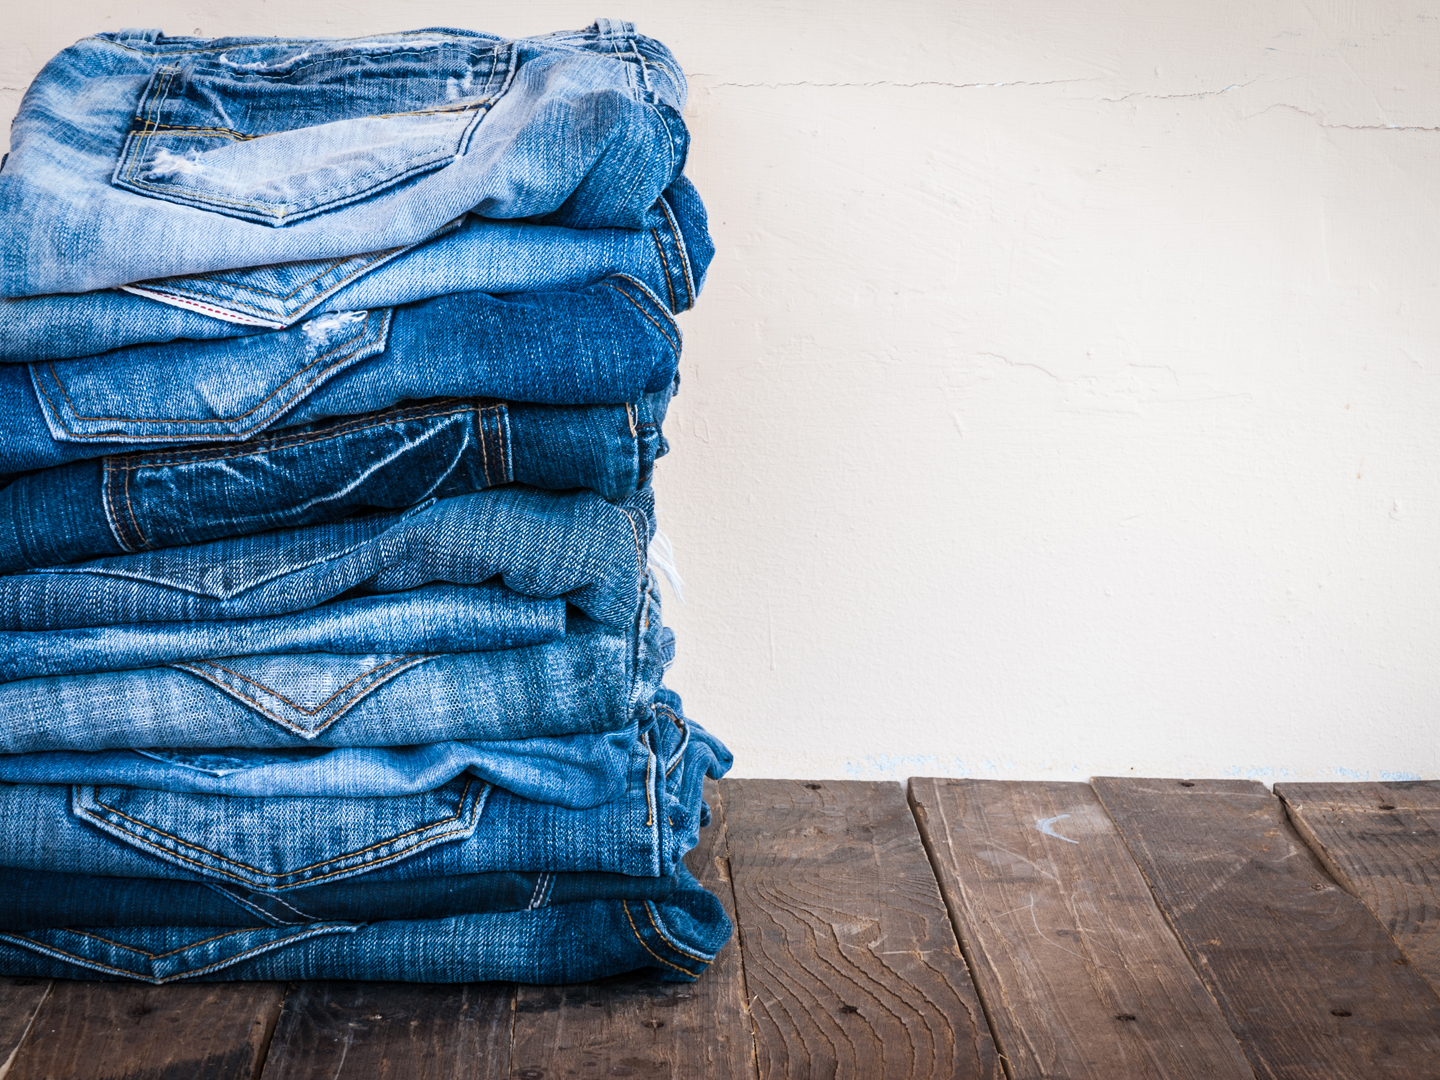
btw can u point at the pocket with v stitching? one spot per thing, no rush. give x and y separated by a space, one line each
259 842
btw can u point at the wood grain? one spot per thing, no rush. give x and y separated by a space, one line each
124 1031
1382 844
1080 973
641 1027
392 1031
851 963
19 1001
1307 978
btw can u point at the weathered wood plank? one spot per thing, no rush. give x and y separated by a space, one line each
851 962
392 1031
19 1001
641 1027
123 1031
1307 978
1381 841
1080 974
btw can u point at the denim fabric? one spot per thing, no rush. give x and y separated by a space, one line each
543 545
588 682
278 843
577 771
433 618
35 899
322 472
136 155
675 938
670 256
606 344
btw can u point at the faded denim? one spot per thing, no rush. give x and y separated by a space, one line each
670 255
279 843
576 771
124 503
136 156
588 682
432 618
605 344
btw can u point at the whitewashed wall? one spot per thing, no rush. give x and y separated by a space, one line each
1063 400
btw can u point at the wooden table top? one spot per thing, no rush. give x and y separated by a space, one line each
1125 929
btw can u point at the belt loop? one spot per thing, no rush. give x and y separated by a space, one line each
614 28
148 37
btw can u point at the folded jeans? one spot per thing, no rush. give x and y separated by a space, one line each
135 155
589 681
279 843
608 343
670 255
390 460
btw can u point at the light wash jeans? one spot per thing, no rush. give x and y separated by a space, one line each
135 155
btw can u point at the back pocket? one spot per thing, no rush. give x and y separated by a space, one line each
282 842
223 391
275 133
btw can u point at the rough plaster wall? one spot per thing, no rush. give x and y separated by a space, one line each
1063 399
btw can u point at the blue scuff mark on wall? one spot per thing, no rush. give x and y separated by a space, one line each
1398 775
1267 773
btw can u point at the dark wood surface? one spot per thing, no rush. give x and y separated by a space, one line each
392 1031
850 959
123 1031
1382 844
1089 954
19 1001
1307 977
1079 972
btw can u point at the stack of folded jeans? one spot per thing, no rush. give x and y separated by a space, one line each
333 378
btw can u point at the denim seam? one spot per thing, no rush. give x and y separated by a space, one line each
625 906
108 503
229 960
150 955
670 938
460 809
538 892
248 905
650 782
484 450
687 275
679 755
303 732
665 266
180 300
358 341
284 296
278 42
280 441
674 347
300 708
630 416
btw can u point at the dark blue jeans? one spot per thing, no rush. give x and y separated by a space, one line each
674 939
321 472
608 343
